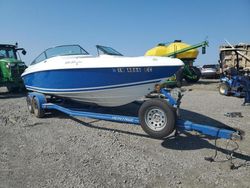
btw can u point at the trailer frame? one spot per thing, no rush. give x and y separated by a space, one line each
37 104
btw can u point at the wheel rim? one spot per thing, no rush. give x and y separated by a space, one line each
156 119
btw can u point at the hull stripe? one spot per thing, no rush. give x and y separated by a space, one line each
45 90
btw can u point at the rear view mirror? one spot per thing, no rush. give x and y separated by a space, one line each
24 52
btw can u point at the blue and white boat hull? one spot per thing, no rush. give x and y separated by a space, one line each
109 97
105 81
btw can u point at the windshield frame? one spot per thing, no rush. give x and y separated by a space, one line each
7 50
45 53
107 50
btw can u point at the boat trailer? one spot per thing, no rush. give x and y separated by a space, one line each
158 116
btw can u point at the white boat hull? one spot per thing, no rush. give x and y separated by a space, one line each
104 80
110 97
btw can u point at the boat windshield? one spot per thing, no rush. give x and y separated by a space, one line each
60 51
107 50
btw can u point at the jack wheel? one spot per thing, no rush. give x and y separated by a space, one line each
38 111
29 104
157 118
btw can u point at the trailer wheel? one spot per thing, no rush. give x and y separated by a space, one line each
38 111
157 118
29 104
224 89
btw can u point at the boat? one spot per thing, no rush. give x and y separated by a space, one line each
108 79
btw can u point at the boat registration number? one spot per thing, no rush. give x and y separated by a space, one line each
133 69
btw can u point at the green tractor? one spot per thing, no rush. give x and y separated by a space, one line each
187 53
11 67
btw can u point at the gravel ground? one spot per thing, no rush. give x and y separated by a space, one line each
59 151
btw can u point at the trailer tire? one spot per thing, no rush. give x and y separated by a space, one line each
224 89
29 104
157 118
38 111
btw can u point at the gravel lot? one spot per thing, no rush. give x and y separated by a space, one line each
59 151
